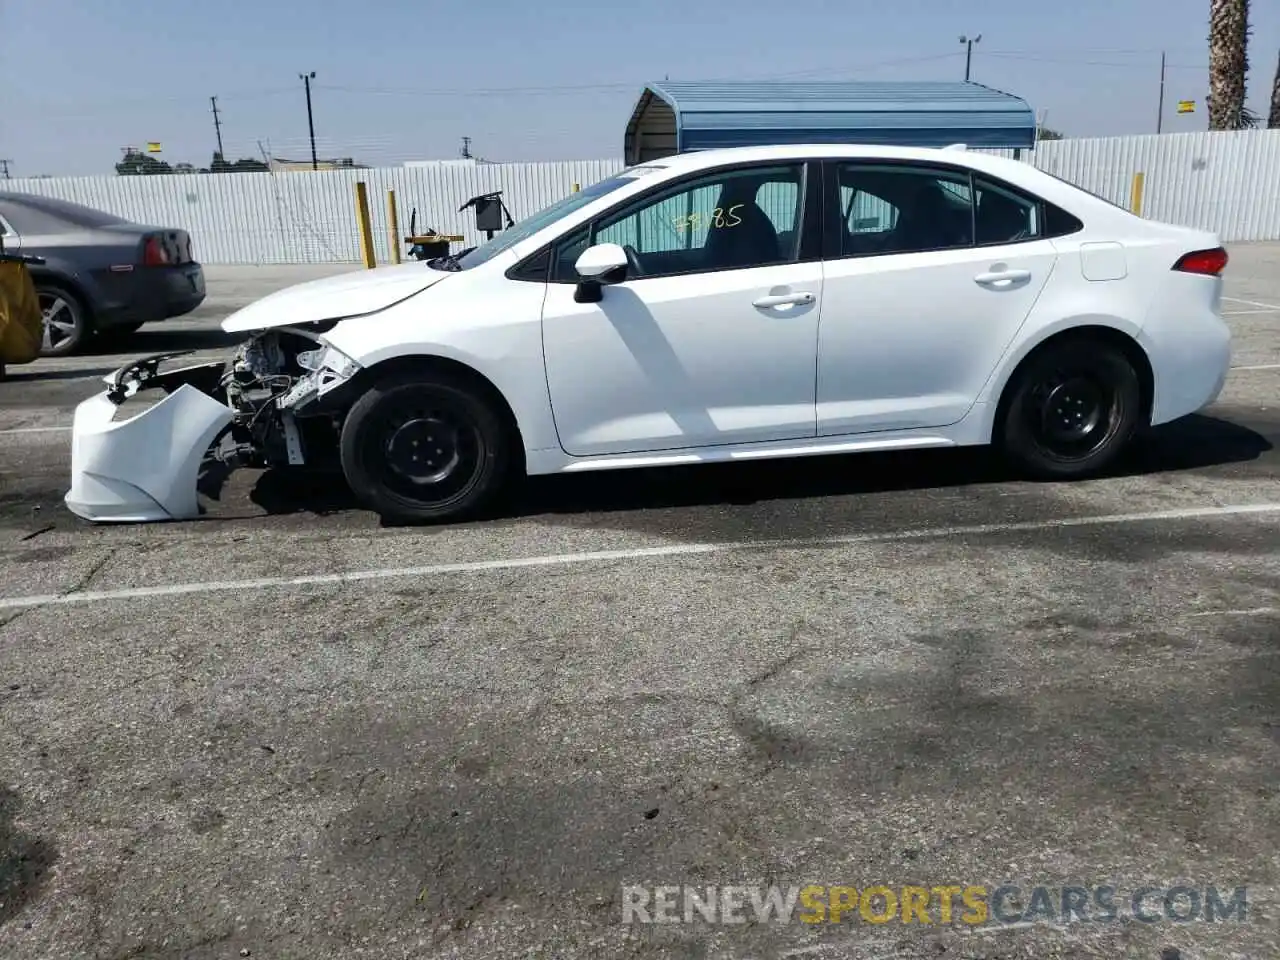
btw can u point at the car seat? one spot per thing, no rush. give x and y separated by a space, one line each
752 242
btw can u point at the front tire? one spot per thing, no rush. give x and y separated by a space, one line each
1073 410
424 447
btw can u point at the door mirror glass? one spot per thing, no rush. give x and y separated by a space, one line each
604 263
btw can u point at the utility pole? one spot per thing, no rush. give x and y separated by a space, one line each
1160 112
968 57
306 78
466 148
217 125
4 167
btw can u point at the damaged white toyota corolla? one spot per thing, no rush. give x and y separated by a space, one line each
719 306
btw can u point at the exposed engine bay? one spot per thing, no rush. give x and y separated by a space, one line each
272 384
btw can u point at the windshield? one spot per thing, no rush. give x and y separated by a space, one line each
549 215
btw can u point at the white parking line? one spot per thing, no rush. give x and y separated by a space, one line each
1255 612
638 553
1252 303
17 430
1259 366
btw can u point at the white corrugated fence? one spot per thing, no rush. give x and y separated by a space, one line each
1225 182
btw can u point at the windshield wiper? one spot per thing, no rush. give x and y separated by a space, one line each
449 263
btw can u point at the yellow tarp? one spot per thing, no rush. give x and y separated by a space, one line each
21 322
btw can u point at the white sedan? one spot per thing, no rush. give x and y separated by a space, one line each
740 304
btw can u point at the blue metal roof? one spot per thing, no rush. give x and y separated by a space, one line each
709 115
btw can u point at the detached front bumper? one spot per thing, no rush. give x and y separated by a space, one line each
145 468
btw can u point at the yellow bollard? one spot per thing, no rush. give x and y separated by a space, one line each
364 226
577 187
1135 195
393 226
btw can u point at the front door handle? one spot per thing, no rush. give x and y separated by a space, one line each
783 299
1002 277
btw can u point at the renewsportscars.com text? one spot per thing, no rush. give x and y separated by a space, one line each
971 905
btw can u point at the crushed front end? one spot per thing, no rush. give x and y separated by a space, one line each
266 407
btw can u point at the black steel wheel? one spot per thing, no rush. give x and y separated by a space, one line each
419 446
1073 410
66 321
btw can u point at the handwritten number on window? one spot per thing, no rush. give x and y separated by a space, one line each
717 218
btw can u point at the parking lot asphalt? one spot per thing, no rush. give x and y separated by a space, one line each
286 731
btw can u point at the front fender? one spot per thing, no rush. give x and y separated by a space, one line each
503 344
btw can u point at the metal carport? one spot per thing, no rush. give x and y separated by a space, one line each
679 117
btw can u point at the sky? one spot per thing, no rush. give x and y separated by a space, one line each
551 80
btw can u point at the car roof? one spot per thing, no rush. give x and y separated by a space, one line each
853 151
1018 173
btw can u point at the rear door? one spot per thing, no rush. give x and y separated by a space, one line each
928 276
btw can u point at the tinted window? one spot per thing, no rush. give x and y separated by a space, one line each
1059 223
567 253
729 220
903 209
1003 216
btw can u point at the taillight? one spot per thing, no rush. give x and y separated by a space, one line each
1210 263
153 253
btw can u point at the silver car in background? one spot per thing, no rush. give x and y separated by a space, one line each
102 274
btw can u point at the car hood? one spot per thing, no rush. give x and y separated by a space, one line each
335 298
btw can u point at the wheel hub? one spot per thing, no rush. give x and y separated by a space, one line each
59 324
1072 411
424 450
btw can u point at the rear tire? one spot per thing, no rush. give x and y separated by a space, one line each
1073 410
66 321
424 447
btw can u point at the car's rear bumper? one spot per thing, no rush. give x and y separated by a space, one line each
1191 368
145 467
150 294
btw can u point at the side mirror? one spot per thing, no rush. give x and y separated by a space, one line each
604 263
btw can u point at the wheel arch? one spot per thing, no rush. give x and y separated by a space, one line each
1092 331
426 364
56 278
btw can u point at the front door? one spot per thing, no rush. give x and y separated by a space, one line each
934 276
711 339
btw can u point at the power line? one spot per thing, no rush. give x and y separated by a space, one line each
1093 63
568 89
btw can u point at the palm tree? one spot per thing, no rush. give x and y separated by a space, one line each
1273 122
1228 63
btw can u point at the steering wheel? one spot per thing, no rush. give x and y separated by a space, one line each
634 269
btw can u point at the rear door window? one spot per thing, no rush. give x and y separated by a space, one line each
902 208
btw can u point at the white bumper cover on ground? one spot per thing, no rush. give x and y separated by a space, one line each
144 468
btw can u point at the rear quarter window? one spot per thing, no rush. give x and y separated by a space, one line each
1059 223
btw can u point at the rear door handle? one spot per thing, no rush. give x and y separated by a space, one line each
1002 277
783 299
